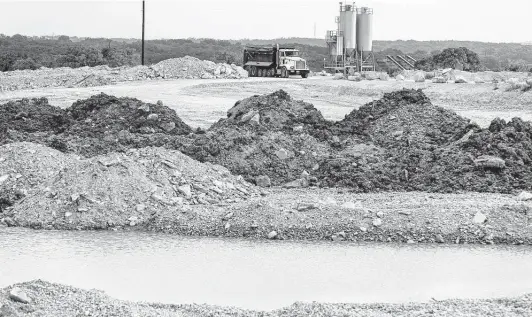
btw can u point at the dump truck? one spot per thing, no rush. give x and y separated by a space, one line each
274 61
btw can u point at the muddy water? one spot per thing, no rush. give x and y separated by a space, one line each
260 274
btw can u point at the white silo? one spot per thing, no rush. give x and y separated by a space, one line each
364 29
348 24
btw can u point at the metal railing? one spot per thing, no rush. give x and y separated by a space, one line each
331 36
333 64
365 10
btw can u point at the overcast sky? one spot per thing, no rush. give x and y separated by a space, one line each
478 20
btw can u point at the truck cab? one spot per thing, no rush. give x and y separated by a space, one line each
290 59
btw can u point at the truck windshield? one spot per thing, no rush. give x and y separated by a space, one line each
291 53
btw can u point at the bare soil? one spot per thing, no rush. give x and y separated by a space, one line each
56 300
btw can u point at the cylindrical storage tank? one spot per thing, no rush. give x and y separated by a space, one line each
332 50
364 32
340 45
349 18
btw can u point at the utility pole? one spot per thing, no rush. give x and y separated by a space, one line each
314 29
143 10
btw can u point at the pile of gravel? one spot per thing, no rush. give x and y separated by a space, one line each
56 300
118 189
186 68
191 67
25 167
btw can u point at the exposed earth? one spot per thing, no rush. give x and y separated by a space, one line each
55 300
312 159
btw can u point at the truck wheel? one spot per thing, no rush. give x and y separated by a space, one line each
259 72
284 73
304 74
264 72
253 71
271 72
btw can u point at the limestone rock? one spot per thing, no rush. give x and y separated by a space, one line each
272 235
282 154
186 190
479 218
524 196
419 77
488 161
439 80
18 295
153 117
263 181
168 126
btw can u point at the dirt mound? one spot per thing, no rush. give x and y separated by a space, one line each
123 189
31 115
269 135
191 67
275 111
417 146
93 126
186 67
25 166
405 115
398 143
102 113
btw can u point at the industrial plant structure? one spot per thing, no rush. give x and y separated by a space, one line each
350 46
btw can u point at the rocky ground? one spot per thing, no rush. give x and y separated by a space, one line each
123 162
39 298
154 189
184 68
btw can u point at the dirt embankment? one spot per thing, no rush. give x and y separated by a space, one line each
56 300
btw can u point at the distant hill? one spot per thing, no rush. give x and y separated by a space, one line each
30 52
288 40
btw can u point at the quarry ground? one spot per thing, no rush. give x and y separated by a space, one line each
408 217
201 102
57 300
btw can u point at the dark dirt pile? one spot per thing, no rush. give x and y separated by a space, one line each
94 126
405 115
103 114
398 143
31 115
401 142
427 148
269 135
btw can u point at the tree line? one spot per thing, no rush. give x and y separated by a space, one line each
19 52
